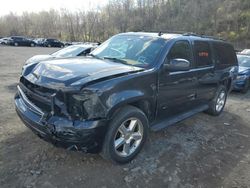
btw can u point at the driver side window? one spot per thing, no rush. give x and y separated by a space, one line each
180 50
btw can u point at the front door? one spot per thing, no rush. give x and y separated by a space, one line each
177 91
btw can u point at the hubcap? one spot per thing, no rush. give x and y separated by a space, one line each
128 137
221 101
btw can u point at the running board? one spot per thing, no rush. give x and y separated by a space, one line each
170 121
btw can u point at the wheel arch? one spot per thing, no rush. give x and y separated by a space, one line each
227 83
144 104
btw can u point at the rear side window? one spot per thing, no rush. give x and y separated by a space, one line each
224 54
203 54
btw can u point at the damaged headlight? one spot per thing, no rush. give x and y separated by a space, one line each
88 105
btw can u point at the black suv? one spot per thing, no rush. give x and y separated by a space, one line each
52 43
132 83
20 41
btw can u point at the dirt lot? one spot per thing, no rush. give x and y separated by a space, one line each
202 151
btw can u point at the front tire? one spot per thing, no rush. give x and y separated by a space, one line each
127 133
217 105
16 44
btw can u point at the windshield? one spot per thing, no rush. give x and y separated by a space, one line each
70 51
244 61
133 50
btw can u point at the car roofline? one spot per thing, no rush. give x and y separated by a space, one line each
174 35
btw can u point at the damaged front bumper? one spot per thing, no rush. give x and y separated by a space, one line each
85 135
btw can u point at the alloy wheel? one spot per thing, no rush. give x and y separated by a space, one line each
128 137
220 101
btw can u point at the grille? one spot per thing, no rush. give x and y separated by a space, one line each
39 96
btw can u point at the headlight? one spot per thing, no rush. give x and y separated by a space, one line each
87 105
241 77
83 96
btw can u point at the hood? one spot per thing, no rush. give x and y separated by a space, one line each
38 58
61 73
243 69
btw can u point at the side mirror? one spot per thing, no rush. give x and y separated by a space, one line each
177 65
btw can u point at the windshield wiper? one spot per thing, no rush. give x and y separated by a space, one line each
116 60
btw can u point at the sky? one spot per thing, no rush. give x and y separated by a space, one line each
19 6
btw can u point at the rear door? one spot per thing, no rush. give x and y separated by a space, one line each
204 69
176 89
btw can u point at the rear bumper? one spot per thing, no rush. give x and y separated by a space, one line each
85 136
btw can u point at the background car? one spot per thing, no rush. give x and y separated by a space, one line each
70 51
53 43
4 40
20 41
39 41
246 52
242 82
67 43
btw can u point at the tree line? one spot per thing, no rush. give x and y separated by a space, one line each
228 19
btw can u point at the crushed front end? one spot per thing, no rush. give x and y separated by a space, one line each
73 120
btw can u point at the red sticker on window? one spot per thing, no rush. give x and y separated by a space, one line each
203 54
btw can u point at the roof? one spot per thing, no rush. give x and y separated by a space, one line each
170 35
153 34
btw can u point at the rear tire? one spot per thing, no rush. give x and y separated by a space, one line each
246 87
127 133
32 45
217 105
16 44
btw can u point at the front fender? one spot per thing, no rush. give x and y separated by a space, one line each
138 89
120 99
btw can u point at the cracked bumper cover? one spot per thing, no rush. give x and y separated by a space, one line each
86 136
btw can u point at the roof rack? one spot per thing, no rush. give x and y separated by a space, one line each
161 32
190 34
172 32
212 37
185 33
203 36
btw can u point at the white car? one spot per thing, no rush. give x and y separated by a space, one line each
70 51
246 52
4 40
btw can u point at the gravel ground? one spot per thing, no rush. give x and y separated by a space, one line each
203 151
